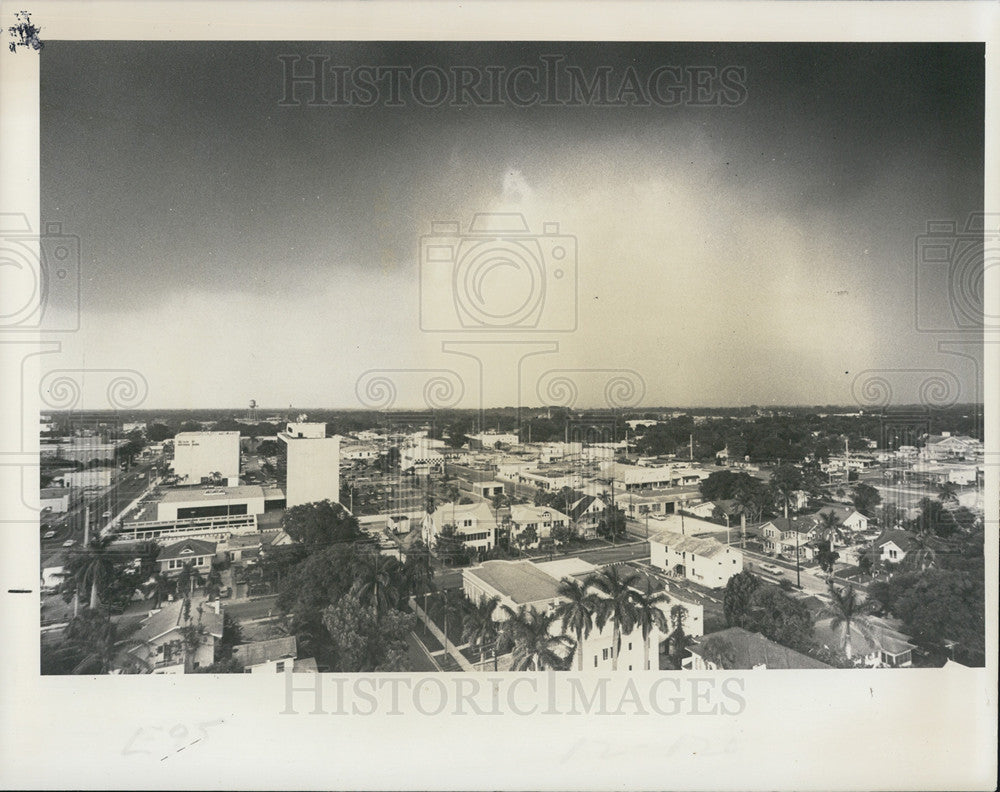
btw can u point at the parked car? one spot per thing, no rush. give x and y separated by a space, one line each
49 535
773 569
69 543
106 514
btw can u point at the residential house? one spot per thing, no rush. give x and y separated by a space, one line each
701 560
586 514
892 546
881 645
272 656
180 637
791 536
736 649
542 519
197 552
475 524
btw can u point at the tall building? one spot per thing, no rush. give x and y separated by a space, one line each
312 464
199 455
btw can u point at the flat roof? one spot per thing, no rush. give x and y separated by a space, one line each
200 493
205 432
521 581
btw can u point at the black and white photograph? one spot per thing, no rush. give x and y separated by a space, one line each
473 378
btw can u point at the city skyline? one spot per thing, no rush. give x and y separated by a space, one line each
756 251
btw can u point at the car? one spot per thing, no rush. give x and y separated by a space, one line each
106 514
225 593
69 543
49 535
773 569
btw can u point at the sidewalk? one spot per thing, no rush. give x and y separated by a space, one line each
452 650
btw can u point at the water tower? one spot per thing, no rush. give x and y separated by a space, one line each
252 415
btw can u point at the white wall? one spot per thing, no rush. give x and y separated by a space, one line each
199 454
313 472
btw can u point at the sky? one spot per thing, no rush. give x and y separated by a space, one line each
758 247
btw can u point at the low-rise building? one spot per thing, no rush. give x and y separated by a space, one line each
180 637
791 536
273 656
586 514
475 524
196 552
185 503
736 649
705 561
543 520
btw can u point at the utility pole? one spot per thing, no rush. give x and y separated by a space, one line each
691 447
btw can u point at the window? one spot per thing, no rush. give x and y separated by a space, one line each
605 654
630 648
279 666
595 661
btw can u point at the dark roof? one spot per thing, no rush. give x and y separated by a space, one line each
749 650
578 509
187 547
902 539
797 524
169 618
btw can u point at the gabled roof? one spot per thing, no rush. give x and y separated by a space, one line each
187 548
522 512
168 618
677 542
259 652
799 525
749 650
881 637
578 509
902 539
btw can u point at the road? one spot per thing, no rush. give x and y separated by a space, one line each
116 497
257 608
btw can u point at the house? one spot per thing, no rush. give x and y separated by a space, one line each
541 519
180 637
197 552
892 546
880 645
56 499
272 656
475 524
791 536
703 511
586 514
701 560
487 489
241 547
850 518
736 649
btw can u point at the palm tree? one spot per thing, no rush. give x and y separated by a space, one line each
829 527
452 607
478 626
93 568
375 581
849 614
678 639
614 603
96 640
648 615
189 577
948 493
159 585
576 613
536 648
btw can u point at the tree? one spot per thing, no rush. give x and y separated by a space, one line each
478 628
159 586
536 646
736 600
527 537
948 492
321 523
779 617
849 616
826 557
95 567
450 547
614 603
934 518
612 523
649 614
866 499
785 481
362 642
922 554
576 612
157 433
377 581
189 578
891 516
717 651
679 641
829 529
95 645
418 576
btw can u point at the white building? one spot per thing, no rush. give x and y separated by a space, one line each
475 524
185 503
86 479
639 477
543 520
313 464
161 642
704 561
525 584
421 455
494 439
200 455
487 489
